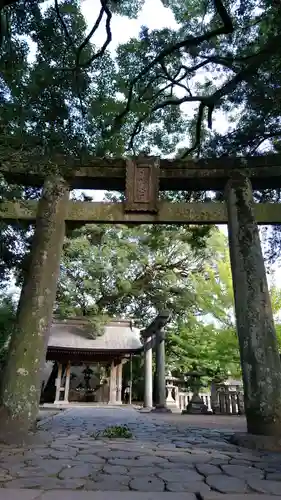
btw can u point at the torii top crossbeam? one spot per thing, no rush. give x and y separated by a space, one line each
110 173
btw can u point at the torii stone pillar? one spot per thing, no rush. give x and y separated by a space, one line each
21 378
260 359
148 373
161 373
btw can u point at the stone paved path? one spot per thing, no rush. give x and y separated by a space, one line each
166 455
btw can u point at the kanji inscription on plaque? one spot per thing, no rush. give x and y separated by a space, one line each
142 184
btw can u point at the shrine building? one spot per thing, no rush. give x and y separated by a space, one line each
82 366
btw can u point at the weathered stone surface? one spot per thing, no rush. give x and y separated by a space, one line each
254 318
147 484
181 471
93 459
27 471
191 459
112 454
144 471
246 463
106 485
242 471
4 475
236 496
256 442
227 484
116 478
78 471
50 466
192 486
207 469
115 469
274 476
15 494
141 462
180 476
265 486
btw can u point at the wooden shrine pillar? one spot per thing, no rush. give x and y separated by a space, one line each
58 384
119 374
260 361
113 384
67 382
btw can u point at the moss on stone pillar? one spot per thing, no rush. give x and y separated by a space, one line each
260 359
21 381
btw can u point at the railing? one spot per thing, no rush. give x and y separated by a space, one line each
185 397
222 399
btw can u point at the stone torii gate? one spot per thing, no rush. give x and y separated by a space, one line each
142 178
154 336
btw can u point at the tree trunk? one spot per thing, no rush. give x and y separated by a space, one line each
260 359
21 383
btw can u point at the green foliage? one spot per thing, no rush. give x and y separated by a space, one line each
98 322
117 431
114 432
131 271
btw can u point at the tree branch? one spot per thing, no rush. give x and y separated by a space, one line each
187 43
244 74
102 50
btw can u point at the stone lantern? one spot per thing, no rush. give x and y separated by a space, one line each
195 405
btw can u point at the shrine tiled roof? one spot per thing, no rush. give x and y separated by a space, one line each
78 334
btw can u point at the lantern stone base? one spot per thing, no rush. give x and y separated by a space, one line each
196 406
161 409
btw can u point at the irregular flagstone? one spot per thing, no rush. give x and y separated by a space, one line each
67 453
139 462
191 486
143 471
108 454
14 494
91 451
191 459
265 486
246 455
107 485
242 471
147 484
245 463
249 496
50 466
93 459
166 447
227 484
47 483
28 472
184 475
116 478
274 476
175 458
79 471
219 461
115 469
5 476
176 466
207 469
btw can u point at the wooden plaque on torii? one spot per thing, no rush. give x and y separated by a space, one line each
142 184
